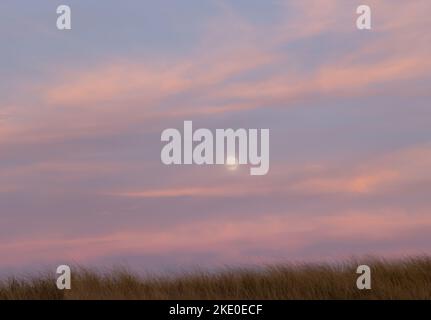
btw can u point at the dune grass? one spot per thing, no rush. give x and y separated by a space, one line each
404 279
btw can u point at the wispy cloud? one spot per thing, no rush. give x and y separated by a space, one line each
288 233
348 114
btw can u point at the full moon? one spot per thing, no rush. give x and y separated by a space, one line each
231 163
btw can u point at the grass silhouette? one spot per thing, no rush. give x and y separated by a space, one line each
409 278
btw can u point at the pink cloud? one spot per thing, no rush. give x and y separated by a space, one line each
288 233
117 93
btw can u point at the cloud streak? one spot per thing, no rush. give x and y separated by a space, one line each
348 114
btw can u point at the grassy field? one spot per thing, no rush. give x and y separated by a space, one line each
404 279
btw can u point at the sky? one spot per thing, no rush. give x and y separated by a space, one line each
82 111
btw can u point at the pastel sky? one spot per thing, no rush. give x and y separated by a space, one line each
82 111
